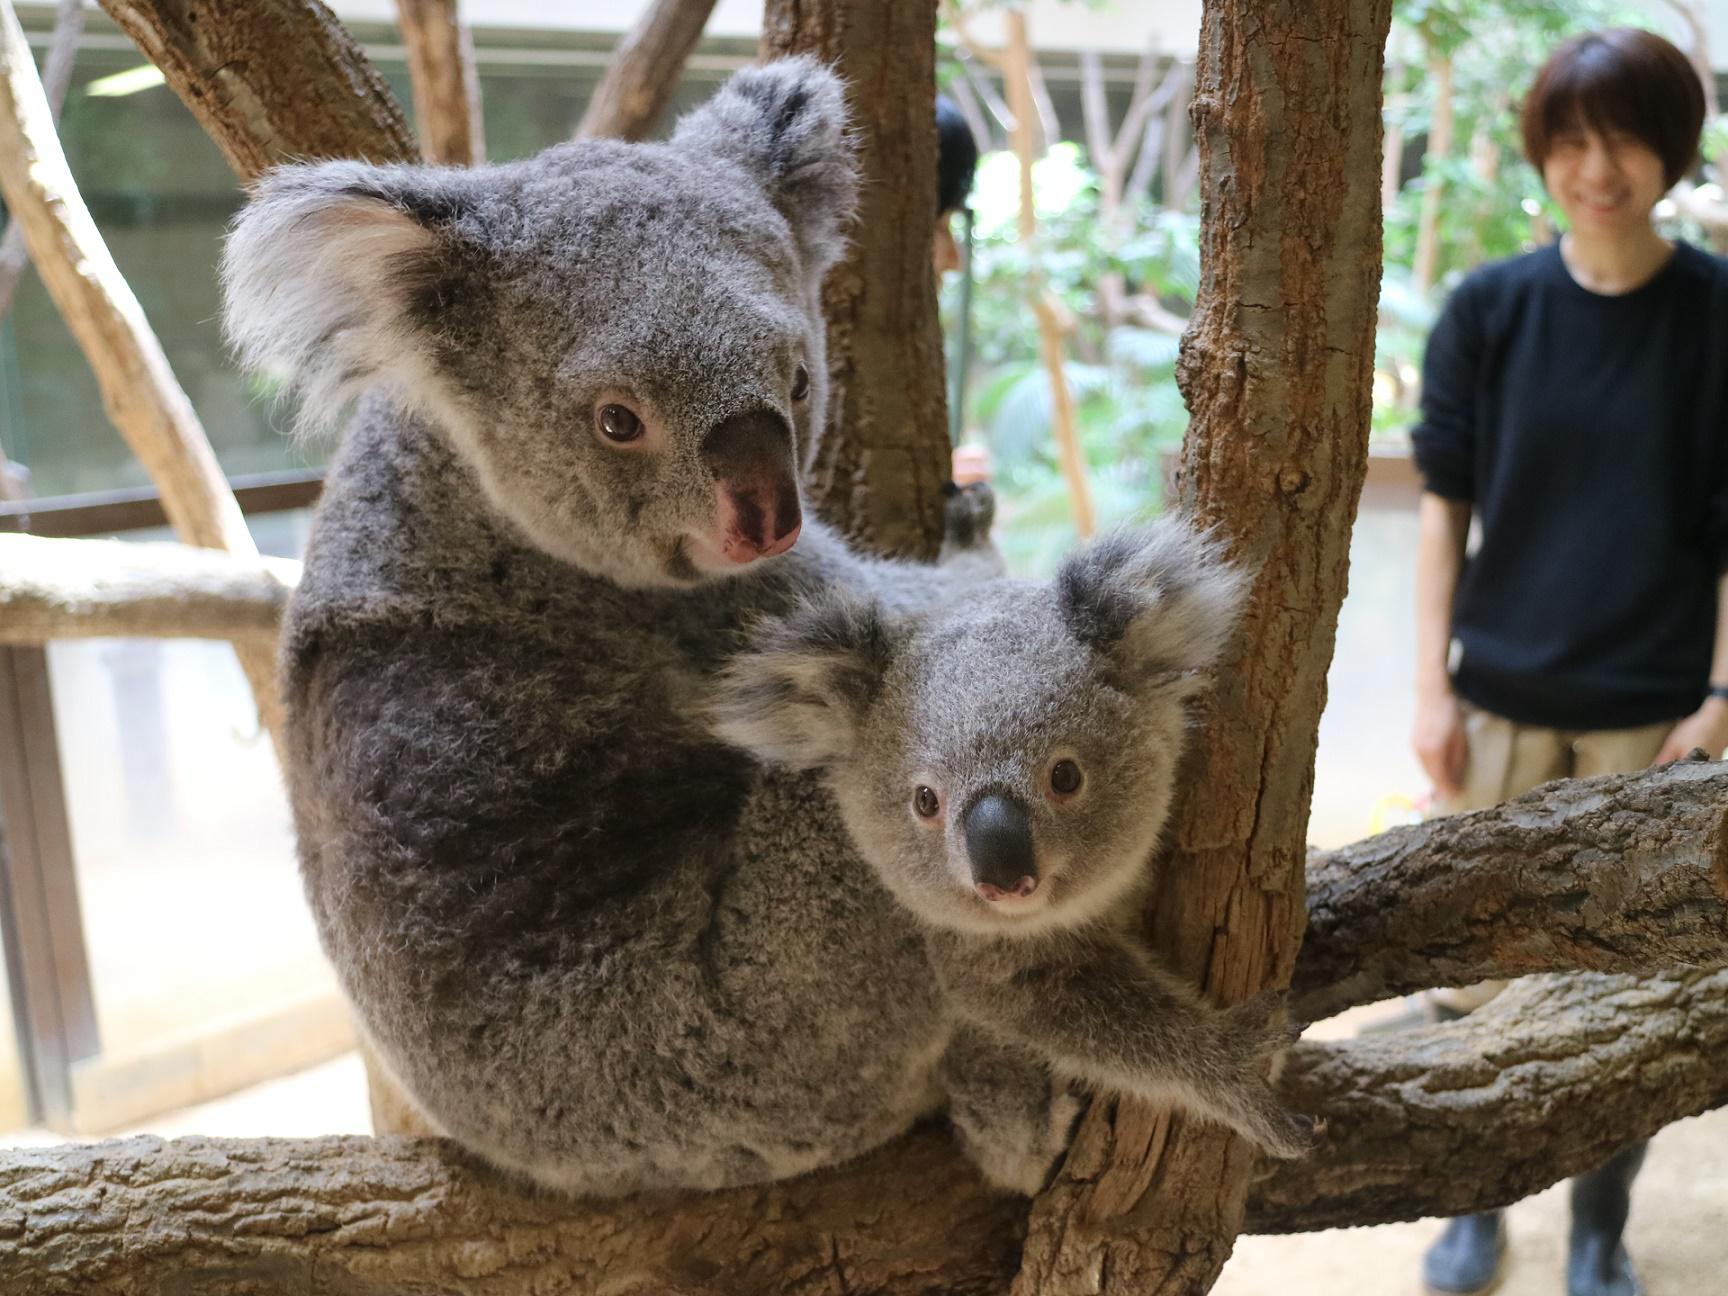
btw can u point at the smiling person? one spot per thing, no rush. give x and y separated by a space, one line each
1574 407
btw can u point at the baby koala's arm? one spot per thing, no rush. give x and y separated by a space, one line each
1106 1014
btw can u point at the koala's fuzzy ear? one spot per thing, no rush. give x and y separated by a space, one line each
1161 600
786 123
332 273
797 694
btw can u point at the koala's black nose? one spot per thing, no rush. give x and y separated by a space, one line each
999 847
756 481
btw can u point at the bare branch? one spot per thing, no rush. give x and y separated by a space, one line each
1547 1081
645 71
1094 111
1624 873
1049 127
271 81
77 589
446 86
139 390
56 79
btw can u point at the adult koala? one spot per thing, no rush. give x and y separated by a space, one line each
593 944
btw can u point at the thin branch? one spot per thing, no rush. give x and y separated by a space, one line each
1624 873
446 86
56 80
78 589
1049 126
139 390
645 71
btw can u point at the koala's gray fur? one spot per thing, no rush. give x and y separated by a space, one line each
943 733
593 943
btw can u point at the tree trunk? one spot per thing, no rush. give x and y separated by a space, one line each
645 70
1276 368
271 81
879 469
446 86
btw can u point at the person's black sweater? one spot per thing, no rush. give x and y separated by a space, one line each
1590 435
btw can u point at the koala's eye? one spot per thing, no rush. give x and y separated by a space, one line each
800 383
619 424
1064 778
926 803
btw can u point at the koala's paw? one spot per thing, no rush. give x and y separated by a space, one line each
1255 1032
1257 1028
967 516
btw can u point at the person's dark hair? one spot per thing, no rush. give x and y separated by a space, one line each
956 156
1621 79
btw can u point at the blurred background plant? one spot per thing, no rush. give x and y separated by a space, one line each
1117 240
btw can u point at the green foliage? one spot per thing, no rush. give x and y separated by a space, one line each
1131 417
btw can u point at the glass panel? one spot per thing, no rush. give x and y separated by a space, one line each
194 919
1366 777
14 1111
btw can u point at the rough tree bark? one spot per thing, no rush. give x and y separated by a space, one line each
644 71
271 81
1624 873
1275 368
446 86
878 471
139 391
78 589
1508 1103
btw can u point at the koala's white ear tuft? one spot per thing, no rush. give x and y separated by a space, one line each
786 123
1162 599
330 275
798 693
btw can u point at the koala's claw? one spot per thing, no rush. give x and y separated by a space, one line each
968 514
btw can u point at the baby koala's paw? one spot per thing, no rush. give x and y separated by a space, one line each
1255 1032
1258 1028
967 516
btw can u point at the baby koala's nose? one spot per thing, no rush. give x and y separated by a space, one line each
999 847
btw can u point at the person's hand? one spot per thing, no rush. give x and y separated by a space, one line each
1707 727
1440 741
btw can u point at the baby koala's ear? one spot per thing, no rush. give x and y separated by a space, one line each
797 695
1160 600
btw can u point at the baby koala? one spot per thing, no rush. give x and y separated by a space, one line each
1006 764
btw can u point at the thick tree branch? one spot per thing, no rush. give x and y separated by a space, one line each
75 589
139 390
645 70
446 86
1624 873
1547 1081
878 471
271 81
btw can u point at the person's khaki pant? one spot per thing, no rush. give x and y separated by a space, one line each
1507 759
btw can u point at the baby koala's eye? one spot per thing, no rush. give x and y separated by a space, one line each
1064 778
619 424
926 803
800 383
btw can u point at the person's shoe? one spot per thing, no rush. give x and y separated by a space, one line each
1467 1259
1596 1260
1596 1268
